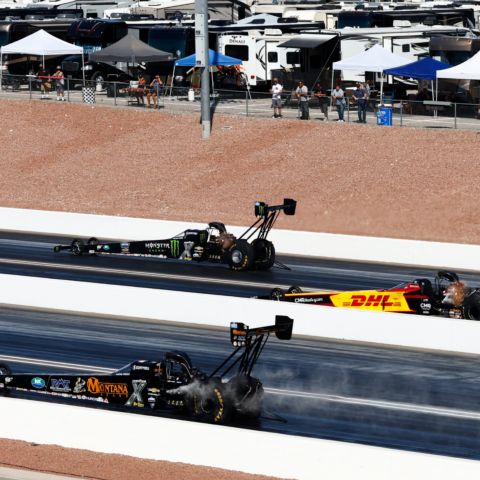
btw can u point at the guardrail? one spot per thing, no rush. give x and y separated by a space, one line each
413 331
156 438
334 246
412 113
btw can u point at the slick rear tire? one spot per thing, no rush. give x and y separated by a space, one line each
246 394
77 247
209 403
264 254
471 307
240 256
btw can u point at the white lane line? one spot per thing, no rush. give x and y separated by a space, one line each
51 363
134 273
405 407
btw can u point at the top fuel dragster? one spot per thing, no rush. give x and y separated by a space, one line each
251 250
171 382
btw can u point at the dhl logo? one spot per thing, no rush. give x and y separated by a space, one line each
371 300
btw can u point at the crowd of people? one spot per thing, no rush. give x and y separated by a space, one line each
337 98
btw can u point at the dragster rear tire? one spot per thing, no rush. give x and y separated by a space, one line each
246 393
77 247
471 307
209 403
240 256
264 253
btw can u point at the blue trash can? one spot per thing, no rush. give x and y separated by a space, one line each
384 116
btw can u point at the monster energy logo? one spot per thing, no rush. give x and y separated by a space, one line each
261 209
175 247
202 237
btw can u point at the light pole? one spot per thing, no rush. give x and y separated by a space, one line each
201 56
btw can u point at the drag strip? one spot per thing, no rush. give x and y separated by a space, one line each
33 255
396 398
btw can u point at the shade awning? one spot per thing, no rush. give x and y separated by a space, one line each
306 41
214 58
468 70
424 69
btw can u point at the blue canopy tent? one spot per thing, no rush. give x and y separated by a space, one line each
214 59
424 69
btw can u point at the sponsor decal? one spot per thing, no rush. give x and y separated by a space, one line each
371 301
95 386
157 247
60 385
425 306
8 379
125 247
106 248
175 247
136 399
260 209
202 237
308 300
79 385
38 382
141 367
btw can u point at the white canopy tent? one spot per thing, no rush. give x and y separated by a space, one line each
41 44
375 59
468 70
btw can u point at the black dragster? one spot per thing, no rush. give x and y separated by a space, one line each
170 383
251 250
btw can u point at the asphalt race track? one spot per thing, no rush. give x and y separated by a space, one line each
397 398
33 256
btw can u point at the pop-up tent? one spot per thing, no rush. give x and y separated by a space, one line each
214 59
40 44
424 69
468 70
375 59
130 49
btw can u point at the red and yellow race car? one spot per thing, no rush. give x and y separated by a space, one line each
446 296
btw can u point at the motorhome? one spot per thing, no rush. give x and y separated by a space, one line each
229 10
258 49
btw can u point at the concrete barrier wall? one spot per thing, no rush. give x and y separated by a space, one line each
347 247
249 451
193 308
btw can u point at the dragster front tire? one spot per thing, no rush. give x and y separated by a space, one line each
240 256
4 372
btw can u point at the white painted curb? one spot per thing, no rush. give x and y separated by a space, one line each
345 247
395 329
215 446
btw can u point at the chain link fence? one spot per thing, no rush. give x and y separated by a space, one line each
398 113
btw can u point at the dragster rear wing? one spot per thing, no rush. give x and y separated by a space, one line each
262 209
239 332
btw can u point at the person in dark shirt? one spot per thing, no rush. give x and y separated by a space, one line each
323 99
45 85
360 96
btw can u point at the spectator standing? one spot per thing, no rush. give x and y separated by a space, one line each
323 99
360 96
276 92
59 78
302 94
45 85
338 96
155 89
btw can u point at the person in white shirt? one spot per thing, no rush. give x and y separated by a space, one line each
276 91
302 95
339 98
